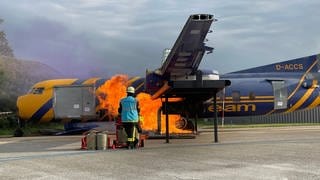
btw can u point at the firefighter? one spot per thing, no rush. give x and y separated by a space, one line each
129 110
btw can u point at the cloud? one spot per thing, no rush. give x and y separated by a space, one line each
254 33
101 38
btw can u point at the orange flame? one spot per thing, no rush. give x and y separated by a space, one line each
110 93
149 111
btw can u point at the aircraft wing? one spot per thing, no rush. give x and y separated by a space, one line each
188 50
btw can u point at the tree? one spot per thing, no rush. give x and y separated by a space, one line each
5 49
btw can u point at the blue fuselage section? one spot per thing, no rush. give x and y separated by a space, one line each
258 94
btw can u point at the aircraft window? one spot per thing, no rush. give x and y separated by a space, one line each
37 90
310 76
313 76
280 94
236 96
252 96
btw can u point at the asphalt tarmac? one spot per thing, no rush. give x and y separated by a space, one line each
257 153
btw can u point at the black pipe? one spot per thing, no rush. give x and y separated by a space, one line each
167 119
215 117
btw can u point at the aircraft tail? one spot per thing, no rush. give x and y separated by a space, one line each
304 64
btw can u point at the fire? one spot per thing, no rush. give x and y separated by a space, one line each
149 111
110 94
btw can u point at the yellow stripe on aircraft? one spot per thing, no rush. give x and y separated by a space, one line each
47 117
302 79
140 85
301 100
133 79
248 101
247 97
315 103
90 81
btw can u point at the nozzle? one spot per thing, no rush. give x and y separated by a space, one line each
202 17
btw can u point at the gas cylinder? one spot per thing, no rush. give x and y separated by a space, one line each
91 141
101 141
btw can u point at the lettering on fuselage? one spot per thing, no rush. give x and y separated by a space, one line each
235 108
289 67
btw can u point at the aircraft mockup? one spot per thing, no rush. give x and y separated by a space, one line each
280 87
276 88
53 100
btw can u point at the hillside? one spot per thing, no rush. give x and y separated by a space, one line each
18 76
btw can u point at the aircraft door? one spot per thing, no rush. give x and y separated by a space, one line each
280 93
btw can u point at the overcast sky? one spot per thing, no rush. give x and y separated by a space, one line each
85 38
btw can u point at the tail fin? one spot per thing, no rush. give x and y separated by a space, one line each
308 63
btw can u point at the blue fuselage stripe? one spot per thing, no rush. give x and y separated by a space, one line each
78 82
310 99
100 82
42 111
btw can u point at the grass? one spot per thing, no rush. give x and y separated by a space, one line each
6 132
31 130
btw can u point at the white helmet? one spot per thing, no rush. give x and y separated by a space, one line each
130 90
